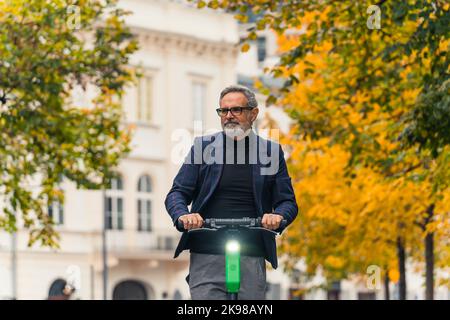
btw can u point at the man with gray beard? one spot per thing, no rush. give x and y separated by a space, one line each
231 174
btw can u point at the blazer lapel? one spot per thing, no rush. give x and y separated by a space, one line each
215 168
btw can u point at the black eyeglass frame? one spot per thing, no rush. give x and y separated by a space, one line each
235 111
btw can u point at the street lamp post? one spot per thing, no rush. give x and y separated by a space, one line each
105 248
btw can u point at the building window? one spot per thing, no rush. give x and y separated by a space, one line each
145 99
261 45
60 290
114 205
144 204
56 212
334 292
198 99
130 290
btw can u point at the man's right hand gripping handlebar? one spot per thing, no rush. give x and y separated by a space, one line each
191 221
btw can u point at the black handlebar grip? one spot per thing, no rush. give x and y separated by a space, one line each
283 223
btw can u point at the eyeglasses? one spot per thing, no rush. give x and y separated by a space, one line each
235 111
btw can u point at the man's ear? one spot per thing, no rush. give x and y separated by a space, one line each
255 112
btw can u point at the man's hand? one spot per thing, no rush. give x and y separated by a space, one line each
191 221
271 221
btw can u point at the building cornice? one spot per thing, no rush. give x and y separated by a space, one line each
174 42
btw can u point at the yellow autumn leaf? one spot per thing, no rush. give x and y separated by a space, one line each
245 47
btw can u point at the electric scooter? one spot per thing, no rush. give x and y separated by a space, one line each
232 227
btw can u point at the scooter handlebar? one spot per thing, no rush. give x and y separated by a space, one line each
219 223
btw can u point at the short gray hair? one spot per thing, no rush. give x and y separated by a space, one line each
251 99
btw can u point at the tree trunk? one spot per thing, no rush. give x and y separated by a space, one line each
429 258
401 268
386 286
429 265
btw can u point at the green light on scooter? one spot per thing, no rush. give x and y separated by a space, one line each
232 266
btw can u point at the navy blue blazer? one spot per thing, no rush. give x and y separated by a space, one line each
200 174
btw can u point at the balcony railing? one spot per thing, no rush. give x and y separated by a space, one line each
133 240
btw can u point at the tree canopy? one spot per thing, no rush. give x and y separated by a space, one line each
48 48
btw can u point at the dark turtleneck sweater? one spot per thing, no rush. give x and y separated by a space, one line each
233 198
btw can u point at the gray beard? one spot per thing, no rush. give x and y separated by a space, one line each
235 131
